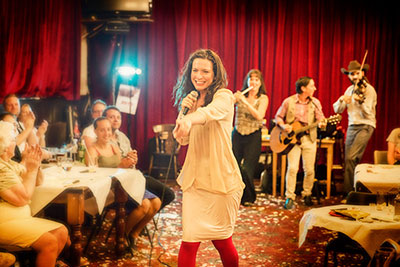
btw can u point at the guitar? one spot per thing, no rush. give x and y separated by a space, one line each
282 142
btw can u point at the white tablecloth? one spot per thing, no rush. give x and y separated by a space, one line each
56 181
368 235
378 177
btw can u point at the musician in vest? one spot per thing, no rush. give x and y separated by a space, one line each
246 135
360 101
306 110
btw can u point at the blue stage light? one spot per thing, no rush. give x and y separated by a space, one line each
128 71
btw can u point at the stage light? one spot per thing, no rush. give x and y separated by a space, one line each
128 71
124 74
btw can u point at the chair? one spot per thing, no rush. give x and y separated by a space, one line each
56 134
344 244
360 198
23 256
165 152
380 157
388 254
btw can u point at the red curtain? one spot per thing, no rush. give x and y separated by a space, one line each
284 39
40 48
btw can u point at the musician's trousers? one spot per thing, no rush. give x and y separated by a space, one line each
306 150
357 138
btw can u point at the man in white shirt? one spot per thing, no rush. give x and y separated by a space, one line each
360 100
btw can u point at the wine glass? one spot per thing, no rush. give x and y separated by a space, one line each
66 163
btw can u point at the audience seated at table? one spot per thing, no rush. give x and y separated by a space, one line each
37 136
25 121
122 141
6 116
88 134
393 155
25 124
108 155
17 184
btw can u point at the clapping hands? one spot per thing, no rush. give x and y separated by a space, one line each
31 157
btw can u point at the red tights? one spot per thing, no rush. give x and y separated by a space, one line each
225 247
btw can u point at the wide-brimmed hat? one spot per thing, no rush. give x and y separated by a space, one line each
353 66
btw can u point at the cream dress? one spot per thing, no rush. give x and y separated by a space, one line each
210 178
17 226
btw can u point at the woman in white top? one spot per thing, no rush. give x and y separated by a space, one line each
17 184
246 136
210 178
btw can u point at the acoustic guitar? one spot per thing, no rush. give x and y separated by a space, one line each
282 142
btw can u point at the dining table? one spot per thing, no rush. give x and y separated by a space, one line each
370 232
86 190
374 178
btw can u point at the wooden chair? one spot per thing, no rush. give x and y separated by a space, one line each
164 152
380 157
388 254
23 256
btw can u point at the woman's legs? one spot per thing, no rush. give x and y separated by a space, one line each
137 215
187 254
225 247
61 235
227 252
49 245
152 207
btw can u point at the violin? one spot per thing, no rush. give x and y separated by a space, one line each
360 88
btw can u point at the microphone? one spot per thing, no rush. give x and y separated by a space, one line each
195 94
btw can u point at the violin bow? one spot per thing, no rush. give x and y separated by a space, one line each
363 62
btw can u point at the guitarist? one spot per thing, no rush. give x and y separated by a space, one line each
361 117
306 109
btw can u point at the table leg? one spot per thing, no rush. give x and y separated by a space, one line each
329 163
283 174
75 217
120 198
274 167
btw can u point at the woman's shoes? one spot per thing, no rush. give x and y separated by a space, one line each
132 243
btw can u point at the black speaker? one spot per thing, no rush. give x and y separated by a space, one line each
117 27
108 9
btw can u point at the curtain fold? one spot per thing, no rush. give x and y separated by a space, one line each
41 48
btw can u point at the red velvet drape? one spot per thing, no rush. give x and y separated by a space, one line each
284 39
40 48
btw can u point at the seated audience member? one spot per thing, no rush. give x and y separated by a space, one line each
11 104
37 136
122 141
26 129
8 117
17 184
393 155
109 156
88 134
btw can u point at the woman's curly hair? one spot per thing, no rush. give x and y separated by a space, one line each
184 83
